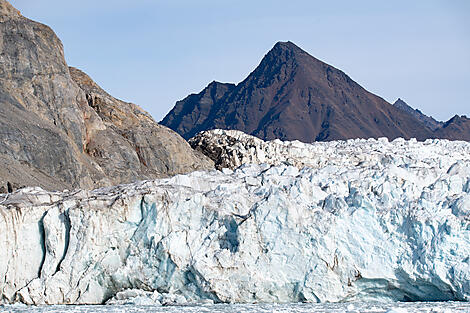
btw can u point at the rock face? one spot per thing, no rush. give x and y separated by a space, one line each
7 10
428 121
132 146
291 95
59 133
366 220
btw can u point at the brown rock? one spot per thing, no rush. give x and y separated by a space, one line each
126 142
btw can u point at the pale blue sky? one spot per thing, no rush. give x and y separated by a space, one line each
154 53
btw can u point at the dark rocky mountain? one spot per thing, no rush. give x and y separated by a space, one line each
292 95
60 130
457 128
428 121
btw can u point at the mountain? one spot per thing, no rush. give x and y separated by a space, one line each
60 130
457 128
428 121
292 95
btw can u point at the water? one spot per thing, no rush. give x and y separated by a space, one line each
408 307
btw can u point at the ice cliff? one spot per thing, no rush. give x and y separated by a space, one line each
336 221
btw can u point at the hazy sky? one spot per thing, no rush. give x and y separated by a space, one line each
154 53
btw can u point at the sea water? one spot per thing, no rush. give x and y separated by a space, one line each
401 307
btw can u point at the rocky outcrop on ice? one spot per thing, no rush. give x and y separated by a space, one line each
364 220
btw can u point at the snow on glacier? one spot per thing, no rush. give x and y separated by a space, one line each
327 222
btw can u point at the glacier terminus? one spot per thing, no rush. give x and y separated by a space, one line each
278 222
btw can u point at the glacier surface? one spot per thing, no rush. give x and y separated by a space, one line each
327 222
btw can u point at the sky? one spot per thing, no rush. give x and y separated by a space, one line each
156 52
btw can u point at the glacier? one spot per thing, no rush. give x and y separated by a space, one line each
280 222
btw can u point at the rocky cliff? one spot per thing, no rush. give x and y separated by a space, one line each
292 95
62 131
361 220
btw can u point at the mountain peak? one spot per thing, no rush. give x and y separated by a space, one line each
428 121
285 45
457 119
285 48
399 102
281 64
457 128
292 95
402 105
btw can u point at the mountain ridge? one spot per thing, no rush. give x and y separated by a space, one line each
428 121
456 128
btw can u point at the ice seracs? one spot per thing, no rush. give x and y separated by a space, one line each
337 221
232 148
